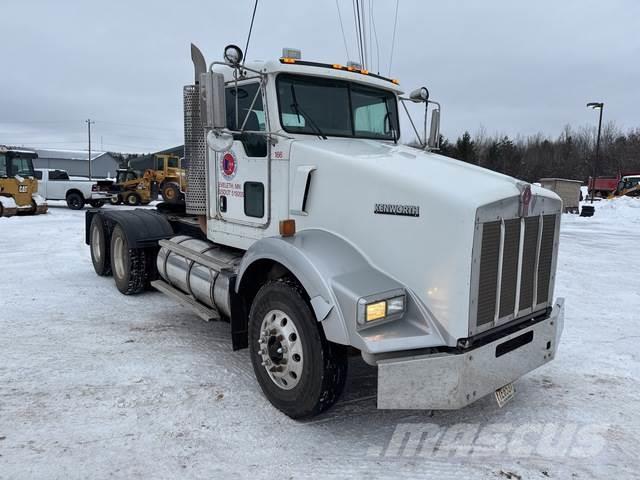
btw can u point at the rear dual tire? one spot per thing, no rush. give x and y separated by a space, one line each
132 267
100 249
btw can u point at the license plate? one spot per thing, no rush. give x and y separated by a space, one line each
504 394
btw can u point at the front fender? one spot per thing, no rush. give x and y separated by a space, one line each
336 275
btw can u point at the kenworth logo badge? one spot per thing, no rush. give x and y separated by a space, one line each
390 209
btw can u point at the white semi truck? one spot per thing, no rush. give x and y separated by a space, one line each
315 233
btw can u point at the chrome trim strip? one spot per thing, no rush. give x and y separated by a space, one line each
535 272
516 306
496 315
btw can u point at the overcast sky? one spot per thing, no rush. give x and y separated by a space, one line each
514 67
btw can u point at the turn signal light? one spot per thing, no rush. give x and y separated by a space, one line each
376 311
287 227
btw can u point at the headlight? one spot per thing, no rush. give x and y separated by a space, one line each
389 306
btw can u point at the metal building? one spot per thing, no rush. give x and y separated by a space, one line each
76 163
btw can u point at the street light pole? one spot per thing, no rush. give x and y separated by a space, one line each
599 106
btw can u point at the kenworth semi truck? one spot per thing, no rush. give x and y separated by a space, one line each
315 233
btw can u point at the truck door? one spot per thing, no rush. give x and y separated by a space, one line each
242 172
41 176
57 184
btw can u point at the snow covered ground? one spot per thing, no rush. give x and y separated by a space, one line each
94 384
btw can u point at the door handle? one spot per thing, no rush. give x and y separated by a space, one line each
223 203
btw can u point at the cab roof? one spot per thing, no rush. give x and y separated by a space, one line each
326 70
5 149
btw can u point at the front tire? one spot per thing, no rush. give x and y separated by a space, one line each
96 203
100 250
299 370
117 200
132 199
75 201
170 193
129 265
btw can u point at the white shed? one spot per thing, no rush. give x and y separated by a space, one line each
567 190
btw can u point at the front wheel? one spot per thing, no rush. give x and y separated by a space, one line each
96 203
299 370
132 199
170 193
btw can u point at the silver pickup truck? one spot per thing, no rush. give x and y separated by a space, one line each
57 185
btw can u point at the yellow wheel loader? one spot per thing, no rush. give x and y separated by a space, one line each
18 183
170 177
168 180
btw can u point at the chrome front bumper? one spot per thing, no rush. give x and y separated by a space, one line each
445 381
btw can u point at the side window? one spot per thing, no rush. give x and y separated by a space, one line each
253 117
38 174
254 199
3 165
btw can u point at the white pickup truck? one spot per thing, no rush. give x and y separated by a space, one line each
56 185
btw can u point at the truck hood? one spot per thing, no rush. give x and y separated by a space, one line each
431 253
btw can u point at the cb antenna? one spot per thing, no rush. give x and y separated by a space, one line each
246 47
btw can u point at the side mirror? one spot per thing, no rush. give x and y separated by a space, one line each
212 87
434 133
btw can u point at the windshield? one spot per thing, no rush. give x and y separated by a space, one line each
321 106
22 166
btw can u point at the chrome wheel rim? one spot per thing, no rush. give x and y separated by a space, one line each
96 244
280 349
118 253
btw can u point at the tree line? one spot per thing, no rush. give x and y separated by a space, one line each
571 155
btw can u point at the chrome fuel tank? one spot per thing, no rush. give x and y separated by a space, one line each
207 285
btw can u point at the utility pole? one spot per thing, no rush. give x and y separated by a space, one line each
89 122
598 106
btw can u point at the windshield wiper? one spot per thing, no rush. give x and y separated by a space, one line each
299 111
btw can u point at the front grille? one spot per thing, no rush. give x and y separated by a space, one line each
515 267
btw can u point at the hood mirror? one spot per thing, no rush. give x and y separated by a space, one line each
219 141
419 95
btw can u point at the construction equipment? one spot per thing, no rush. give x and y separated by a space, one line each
133 188
606 186
629 185
18 183
314 232
168 179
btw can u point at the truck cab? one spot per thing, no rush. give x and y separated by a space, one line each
316 232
